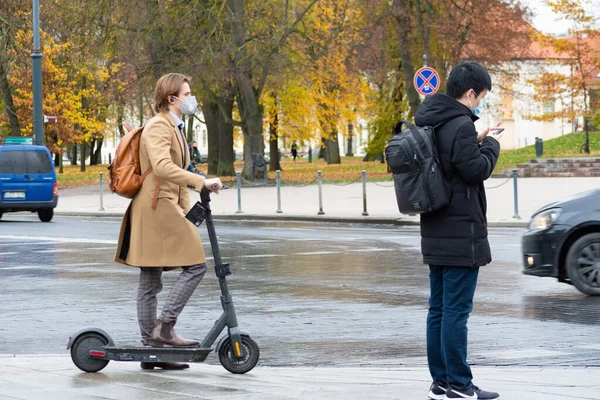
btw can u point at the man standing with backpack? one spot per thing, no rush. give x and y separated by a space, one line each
454 239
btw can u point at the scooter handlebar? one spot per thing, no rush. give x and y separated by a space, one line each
213 187
205 192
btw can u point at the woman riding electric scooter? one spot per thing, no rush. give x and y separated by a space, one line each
155 235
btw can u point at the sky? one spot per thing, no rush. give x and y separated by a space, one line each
545 21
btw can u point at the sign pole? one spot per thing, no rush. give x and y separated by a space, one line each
36 68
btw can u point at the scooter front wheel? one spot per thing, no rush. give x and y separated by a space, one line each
239 366
80 351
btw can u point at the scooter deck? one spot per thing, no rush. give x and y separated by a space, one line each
152 354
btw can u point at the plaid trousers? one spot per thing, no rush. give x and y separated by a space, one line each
150 286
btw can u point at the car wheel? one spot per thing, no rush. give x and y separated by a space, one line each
46 214
583 264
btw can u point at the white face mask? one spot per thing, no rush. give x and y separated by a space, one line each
476 110
189 106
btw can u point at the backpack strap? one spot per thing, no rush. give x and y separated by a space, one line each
157 188
422 144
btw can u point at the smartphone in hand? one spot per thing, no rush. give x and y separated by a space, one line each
499 131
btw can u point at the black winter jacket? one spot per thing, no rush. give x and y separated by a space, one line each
456 235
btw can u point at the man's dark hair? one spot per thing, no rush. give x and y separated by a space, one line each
467 75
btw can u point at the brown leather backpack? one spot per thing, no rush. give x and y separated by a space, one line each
125 172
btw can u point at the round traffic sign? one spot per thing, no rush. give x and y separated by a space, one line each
426 81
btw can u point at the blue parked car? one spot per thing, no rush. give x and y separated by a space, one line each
27 181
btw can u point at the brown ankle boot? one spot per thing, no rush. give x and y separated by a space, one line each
164 335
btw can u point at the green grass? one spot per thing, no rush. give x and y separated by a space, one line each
566 146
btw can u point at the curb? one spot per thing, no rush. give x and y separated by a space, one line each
299 218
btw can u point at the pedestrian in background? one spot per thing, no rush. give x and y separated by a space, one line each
195 155
294 151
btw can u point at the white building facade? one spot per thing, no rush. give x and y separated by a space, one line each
511 102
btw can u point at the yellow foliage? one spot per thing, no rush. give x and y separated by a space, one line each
322 90
571 90
337 88
73 90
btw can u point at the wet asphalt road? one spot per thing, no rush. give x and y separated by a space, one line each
308 294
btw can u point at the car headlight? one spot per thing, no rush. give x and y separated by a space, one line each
544 220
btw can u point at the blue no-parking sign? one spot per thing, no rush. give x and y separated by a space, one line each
426 81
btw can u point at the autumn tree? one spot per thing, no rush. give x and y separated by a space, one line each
570 91
379 60
272 108
59 98
13 14
336 85
93 65
445 31
240 45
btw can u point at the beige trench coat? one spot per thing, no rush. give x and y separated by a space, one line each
162 237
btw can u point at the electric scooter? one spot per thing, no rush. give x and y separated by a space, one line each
93 348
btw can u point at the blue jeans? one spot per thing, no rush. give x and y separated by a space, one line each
450 303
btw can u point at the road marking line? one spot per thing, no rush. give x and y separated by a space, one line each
24 267
25 244
259 255
313 253
51 266
59 251
371 250
256 241
58 240
85 264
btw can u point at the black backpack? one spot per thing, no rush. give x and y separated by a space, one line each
413 159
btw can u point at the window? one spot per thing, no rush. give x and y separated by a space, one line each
549 107
38 162
12 162
203 137
24 162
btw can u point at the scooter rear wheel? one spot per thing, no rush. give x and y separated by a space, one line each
231 363
80 352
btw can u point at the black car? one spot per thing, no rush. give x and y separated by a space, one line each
563 241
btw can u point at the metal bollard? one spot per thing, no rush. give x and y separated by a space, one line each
364 181
239 191
278 178
101 194
516 193
320 176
